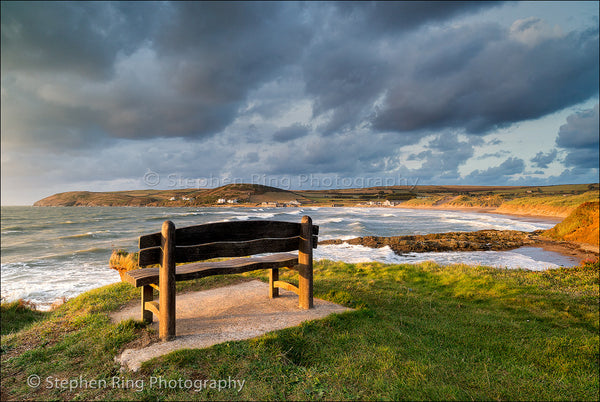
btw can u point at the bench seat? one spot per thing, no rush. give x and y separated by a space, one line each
148 276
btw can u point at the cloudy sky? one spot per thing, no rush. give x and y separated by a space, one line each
112 96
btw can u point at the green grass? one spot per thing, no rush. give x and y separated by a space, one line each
418 332
429 201
485 201
555 201
18 314
581 225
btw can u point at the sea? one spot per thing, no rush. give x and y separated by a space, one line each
53 253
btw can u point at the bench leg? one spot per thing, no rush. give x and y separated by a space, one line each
147 296
273 276
305 286
166 283
305 264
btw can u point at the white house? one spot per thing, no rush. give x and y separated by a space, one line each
221 201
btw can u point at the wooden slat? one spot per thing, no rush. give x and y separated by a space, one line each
286 286
141 277
235 249
149 240
226 231
149 256
152 306
315 240
155 286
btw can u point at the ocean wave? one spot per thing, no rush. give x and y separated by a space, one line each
88 235
188 214
261 216
71 253
353 253
513 259
330 220
43 290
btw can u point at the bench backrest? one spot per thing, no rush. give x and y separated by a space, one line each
227 239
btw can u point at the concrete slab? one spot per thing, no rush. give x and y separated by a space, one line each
224 314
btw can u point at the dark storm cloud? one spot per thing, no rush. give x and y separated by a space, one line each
171 70
493 82
291 133
185 69
444 155
72 37
398 16
362 80
542 160
509 167
580 137
219 51
345 71
581 130
583 158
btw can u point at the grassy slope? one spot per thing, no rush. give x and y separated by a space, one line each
581 226
450 196
243 192
561 205
525 204
419 332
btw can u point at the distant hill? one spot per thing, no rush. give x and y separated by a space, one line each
557 201
243 193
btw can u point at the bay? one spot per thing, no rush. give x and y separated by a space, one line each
48 253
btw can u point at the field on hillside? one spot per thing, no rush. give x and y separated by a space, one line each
255 194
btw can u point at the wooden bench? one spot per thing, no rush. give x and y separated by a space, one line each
223 239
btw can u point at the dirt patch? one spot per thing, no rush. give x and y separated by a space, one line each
224 314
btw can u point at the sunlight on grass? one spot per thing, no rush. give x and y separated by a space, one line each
417 332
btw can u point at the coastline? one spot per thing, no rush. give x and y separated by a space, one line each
483 210
486 210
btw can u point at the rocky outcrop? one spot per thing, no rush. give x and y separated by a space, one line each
452 241
482 240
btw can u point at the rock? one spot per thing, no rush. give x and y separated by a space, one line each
451 241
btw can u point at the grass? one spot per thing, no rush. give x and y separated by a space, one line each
484 201
418 332
18 314
252 194
581 226
556 201
429 201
